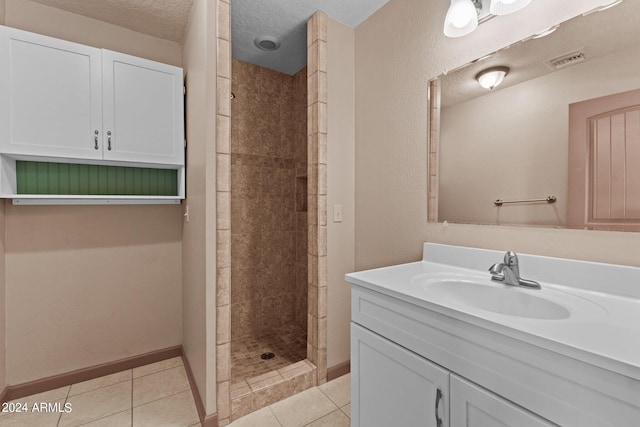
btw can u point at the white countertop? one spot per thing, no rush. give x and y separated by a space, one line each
603 328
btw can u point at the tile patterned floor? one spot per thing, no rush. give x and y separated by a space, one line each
328 405
159 395
289 344
154 395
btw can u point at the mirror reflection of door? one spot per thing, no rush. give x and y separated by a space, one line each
604 163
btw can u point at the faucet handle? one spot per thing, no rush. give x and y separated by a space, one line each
496 268
510 259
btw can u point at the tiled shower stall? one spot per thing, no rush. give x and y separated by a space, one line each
275 230
269 229
268 218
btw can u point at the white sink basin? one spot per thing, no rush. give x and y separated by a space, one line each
498 298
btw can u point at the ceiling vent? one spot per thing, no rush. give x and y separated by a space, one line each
566 60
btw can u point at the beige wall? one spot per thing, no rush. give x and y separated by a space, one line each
35 17
2 7
89 284
340 186
198 244
478 151
398 50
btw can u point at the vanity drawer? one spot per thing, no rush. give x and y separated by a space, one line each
561 389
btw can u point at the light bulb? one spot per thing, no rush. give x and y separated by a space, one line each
461 19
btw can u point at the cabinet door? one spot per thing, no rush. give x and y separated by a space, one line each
50 96
391 386
473 406
143 110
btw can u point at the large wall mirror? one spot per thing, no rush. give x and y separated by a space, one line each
558 141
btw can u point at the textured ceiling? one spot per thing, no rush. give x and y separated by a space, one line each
166 19
284 20
597 34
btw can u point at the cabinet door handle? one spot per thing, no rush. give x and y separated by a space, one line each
438 397
95 139
109 140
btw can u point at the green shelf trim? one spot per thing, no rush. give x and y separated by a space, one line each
94 180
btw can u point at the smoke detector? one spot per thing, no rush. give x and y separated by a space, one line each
267 43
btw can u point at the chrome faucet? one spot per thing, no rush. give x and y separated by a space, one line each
508 272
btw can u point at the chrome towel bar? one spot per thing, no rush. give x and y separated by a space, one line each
548 199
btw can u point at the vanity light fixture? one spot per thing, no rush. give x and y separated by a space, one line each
492 77
505 7
463 16
461 19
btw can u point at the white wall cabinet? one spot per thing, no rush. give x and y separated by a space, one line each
64 102
50 96
142 110
64 99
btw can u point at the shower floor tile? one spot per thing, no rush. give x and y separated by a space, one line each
289 344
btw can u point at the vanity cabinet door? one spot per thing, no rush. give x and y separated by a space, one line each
50 96
391 386
473 406
143 110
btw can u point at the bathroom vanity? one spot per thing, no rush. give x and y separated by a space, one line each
438 343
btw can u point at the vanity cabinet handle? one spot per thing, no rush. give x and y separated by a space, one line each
438 397
95 140
109 140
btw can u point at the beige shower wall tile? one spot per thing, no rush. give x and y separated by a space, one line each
223 172
317 87
322 117
224 58
223 91
223 210
322 210
322 149
312 268
321 271
224 25
223 324
322 302
322 240
312 153
224 399
322 179
223 134
312 180
223 248
223 364
312 119
322 332
223 286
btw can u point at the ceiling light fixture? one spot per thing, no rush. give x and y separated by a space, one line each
461 19
505 7
492 77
